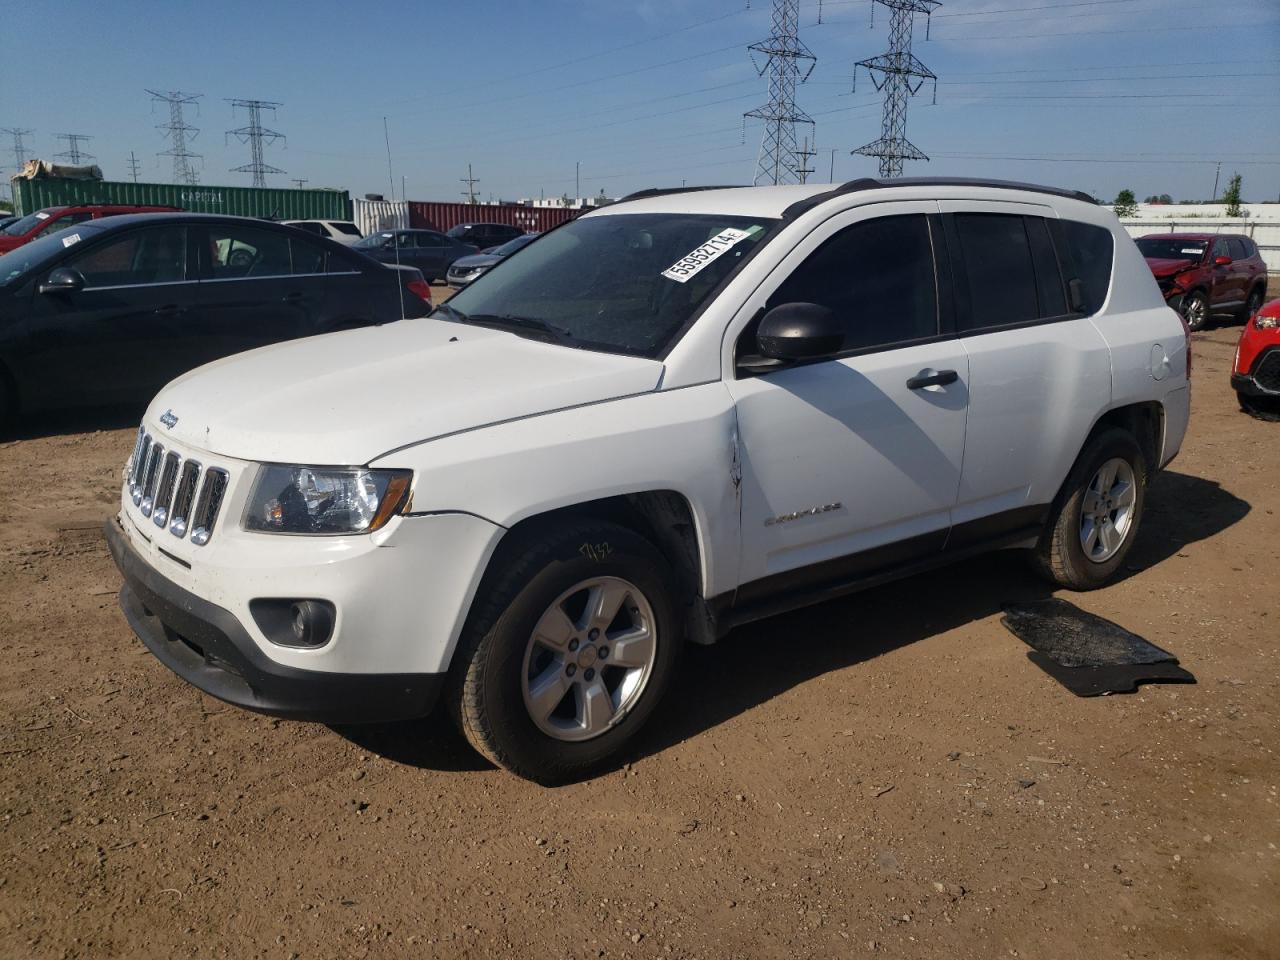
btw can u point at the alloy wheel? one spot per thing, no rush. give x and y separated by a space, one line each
1106 512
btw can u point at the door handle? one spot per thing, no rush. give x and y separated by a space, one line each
939 379
294 297
170 310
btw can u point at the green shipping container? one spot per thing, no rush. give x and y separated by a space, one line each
32 195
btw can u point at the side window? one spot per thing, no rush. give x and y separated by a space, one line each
1049 289
238 252
432 240
62 222
156 255
995 260
1237 249
1220 248
877 276
306 257
1090 249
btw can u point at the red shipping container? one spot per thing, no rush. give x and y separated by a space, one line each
427 215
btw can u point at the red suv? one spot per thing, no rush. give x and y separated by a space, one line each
1256 372
52 219
1201 274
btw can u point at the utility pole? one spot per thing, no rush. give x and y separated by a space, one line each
900 75
783 53
300 181
1216 174
73 154
577 179
804 169
133 166
19 149
470 181
178 132
831 176
256 136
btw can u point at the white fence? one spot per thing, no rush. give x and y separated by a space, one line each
1265 233
374 215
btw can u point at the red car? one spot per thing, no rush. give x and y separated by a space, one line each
52 219
1256 374
1201 274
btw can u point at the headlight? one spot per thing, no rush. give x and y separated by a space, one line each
324 500
1266 323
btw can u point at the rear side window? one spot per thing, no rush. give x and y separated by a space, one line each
1089 251
877 276
1237 248
996 263
349 229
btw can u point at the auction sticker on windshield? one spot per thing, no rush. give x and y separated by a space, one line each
697 259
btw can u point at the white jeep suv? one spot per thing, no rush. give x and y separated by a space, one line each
671 416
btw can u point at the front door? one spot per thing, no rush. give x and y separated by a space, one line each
125 334
852 464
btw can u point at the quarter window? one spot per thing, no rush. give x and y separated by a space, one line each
157 255
877 276
1088 249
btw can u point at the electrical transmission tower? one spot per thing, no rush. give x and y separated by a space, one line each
778 160
300 181
900 75
178 131
257 136
73 154
470 181
19 149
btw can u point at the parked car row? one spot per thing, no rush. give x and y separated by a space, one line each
1206 274
112 309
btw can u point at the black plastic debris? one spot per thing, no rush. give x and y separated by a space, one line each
1087 654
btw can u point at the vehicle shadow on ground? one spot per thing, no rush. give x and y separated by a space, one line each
63 422
760 661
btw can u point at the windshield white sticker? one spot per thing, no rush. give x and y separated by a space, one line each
697 259
42 216
71 240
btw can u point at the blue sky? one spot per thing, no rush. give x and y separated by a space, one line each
1091 94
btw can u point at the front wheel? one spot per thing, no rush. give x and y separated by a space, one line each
569 648
1195 310
1095 518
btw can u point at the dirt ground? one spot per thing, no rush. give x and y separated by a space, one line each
886 774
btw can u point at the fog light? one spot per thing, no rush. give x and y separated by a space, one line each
294 623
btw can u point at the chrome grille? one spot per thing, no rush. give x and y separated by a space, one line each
180 494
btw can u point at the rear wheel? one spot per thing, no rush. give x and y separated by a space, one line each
1095 519
1195 310
1253 304
570 646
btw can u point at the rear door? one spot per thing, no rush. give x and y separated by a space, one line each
257 286
125 334
1039 370
1226 283
434 254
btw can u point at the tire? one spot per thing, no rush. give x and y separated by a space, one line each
1061 554
1253 304
1260 408
1195 310
503 675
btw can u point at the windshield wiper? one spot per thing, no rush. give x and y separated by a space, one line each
456 314
519 325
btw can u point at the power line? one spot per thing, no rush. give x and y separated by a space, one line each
73 154
900 75
257 136
19 149
179 132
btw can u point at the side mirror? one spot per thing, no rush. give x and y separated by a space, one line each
799 331
1221 261
63 280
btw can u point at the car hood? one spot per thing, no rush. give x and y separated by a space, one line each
1163 267
477 260
349 397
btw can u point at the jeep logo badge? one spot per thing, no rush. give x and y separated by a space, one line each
169 419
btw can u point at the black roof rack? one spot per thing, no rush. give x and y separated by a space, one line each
664 191
870 183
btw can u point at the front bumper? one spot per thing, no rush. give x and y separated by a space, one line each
1263 380
208 647
458 282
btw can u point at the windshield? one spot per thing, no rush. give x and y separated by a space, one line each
1159 248
626 283
21 260
511 246
28 223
